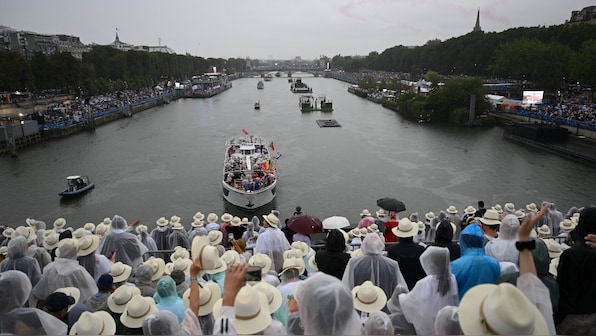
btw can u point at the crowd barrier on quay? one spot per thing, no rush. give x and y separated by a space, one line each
557 120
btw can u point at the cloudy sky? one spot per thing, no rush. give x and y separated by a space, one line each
278 29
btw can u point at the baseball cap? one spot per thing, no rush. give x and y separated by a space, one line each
57 301
105 282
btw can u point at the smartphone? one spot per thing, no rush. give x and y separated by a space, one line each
253 274
230 237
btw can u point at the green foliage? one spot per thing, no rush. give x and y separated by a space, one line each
16 71
455 94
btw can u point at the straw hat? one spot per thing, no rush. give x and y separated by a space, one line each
215 237
236 221
421 226
174 219
30 221
97 323
141 228
179 253
197 223
498 208
120 272
25 231
220 266
368 297
520 214
107 221
500 310
532 207
552 267
272 294
293 262
79 233
490 217
470 210
363 232
137 310
355 232
208 254
302 246
405 229
7 233
120 297
429 216
381 213
162 221
373 228
212 218
554 248
4 250
87 245
177 226
510 207
271 219
67 242
252 311
59 223
158 267
452 210
544 230
89 227
366 213
356 253
312 263
70 291
100 229
226 217
566 225
244 221
199 216
261 260
209 293
231 257
292 253
180 265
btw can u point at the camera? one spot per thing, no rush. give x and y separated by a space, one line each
253 274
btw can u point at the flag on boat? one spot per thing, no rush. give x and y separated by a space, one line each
277 155
272 146
266 165
244 131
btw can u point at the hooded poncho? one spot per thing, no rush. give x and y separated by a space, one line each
127 246
18 261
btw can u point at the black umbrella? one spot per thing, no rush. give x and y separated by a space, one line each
391 204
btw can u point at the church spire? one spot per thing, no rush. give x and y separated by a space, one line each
477 26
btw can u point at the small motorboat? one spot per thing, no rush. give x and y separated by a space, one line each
77 185
257 105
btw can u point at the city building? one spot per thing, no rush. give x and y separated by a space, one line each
586 15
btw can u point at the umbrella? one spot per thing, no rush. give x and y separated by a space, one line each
391 204
335 222
305 224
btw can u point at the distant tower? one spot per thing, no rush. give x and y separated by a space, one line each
477 26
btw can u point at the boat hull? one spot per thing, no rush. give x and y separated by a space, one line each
249 200
77 192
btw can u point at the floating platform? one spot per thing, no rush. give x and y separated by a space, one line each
328 123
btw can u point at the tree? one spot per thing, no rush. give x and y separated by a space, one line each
584 65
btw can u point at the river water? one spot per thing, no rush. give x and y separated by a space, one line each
168 161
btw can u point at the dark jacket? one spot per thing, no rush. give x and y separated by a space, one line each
333 260
407 254
444 238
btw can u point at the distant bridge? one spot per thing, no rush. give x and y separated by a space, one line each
286 67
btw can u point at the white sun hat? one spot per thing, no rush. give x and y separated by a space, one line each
292 262
97 323
272 294
209 293
231 257
252 311
544 230
212 218
271 219
120 297
179 253
162 221
87 245
158 267
215 237
452 209
137 310
261 260
490 217
368 297
470 210
405 228
208 254
226 217
120 272
59 223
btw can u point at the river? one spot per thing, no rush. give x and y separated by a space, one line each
168 161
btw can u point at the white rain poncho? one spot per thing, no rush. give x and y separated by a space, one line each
14 291
65 271
503 248
166 323
273 243
196 232
326 307
401 326
129 250
378 323
431 293
373 266
40 254
178 238
447 322
18 260
148 241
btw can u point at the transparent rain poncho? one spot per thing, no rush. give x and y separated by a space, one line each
148 241
166 323
447 321
373 266
401 326
65 271
196 232
503 248
127 246
378 323
178 238
273 243
326 307
431 293
166 297
14 291
18 261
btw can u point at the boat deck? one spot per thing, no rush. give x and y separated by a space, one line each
328 123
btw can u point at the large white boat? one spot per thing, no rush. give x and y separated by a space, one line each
249 172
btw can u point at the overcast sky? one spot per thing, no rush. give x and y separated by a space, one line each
278 29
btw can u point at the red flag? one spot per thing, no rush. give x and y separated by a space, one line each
272 146
244 131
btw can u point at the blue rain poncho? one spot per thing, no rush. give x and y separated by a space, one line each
18 260
473 267
166 297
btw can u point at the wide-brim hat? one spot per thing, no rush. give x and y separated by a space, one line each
231 257
312 263
89 227
162 221
215 237
101 228
381 213
174 219
293 262
74 292
220 266
554 248
87 245
177 226
30 221
197 223
244 221
355 232
490 217
199 216
59 223
365 212
79 233
429 215
302 246
356 253
405 229
567 225
292 253
236 221
158 267
209 293
368 297
498 208
500 310
202 249
120 297
373 228
421 226
261 260
27 232
141 228
107 221
137 310
179 265
510 207
552 267
66 244
96 323
3 250
272 294
452 210
7 233
544 230
470 210
520 214
120 272
212 218
532 207
271 219
226 217
251 317
179 253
